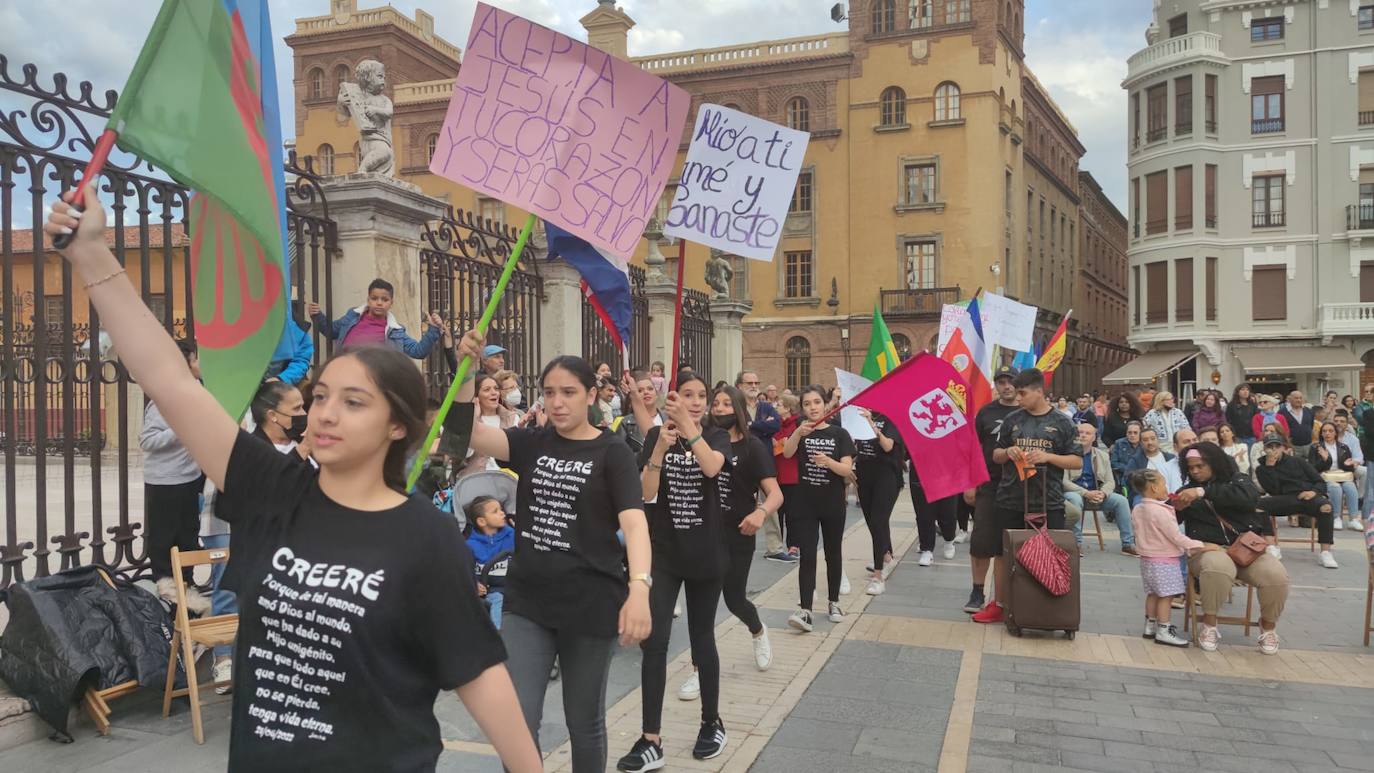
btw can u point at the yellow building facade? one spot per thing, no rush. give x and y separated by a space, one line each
915 188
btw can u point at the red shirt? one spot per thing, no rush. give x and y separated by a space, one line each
787 468
370 330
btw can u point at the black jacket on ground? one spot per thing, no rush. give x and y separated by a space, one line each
1292 475
1235 500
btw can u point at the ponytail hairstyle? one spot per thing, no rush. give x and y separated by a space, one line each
737 402
403 388
268 397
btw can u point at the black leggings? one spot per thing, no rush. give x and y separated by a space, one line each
1289 504
735 589
812 520
703 596
789 497
963 510
941 512
879 485
173 520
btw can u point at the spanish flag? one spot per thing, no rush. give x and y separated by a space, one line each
1055 349
882 353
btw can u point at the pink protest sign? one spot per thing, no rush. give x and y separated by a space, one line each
563 130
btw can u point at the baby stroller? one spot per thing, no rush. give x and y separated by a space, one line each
498 484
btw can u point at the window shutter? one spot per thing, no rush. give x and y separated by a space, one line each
1183 197
1183 290
1157 292
1157 202
1269 293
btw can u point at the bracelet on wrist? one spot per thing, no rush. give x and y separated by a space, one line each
693 441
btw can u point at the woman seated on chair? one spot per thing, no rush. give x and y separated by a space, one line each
1215 503
1293 487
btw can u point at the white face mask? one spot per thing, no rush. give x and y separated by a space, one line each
513 397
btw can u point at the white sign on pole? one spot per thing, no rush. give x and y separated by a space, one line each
737 182
851 384
950 314
1006 323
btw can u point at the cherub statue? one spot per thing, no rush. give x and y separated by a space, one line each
719 273
370 110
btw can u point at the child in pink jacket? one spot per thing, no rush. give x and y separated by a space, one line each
1159 543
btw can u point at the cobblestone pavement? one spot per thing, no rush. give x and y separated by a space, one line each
907 683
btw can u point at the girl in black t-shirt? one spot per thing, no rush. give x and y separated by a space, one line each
566 587
682 461
879 470
358 602
826 458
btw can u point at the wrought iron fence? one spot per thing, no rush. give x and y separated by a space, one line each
65 401
597 345
462 264
696 333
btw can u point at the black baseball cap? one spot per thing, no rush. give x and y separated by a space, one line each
1273 439
1007 372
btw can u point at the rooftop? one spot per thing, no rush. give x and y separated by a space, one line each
421 27
745 54
22 239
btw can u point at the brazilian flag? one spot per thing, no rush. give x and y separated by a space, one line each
882 353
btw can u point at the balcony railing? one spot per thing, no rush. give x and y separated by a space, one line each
1183 127
1211 221
1266 125
1360 217
1154 135
1212 126
1171 50
1267 219
1156 226
1347 318
1183 222
918 303
1366 117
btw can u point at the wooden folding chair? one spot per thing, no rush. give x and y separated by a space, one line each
96 702
1097 524
1310 540
1190 613
207 631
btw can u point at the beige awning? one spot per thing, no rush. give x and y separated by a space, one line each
1298 359
1148 366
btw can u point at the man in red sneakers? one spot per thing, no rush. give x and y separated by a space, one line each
1034 436
986 539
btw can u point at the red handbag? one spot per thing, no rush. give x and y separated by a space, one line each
1047 562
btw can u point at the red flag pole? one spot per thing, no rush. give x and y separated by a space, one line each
94 167
677 314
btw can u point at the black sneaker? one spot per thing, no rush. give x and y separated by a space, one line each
710 741
975 601
646 755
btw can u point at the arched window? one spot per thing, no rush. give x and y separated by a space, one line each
431 143
903 346
894 106
324 155
947 102
884 15
316 81
798 114
341 75
798 363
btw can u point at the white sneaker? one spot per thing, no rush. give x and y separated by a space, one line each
1168 634
836 614
961 537
949 551
1208 637
763 651
1357 524
1269 642
1274 551
844 584
224 672
690 689
1336 524
927 558
801 620
1328 561
876 587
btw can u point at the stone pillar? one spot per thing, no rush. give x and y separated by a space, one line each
560 321
380 224
727 336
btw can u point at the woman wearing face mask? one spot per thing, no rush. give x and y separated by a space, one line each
826 453
511 396
278 412
492 413
682 461
409 620
567 593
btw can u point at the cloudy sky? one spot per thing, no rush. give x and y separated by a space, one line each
1077 48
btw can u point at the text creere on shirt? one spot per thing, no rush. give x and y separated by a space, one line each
817 481
350 623
568 572
1052 433
685 522
750 461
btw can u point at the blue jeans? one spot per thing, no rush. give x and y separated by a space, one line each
495 601
222 602
1114 504
1338 492
1368 488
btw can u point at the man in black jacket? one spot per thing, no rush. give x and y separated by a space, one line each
1294 487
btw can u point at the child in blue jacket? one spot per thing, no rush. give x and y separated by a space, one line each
492 543
373 324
